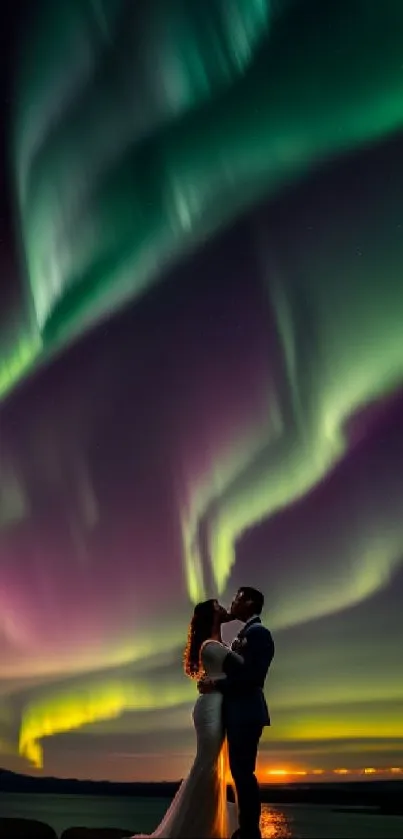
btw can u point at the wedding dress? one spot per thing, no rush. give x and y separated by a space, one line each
200 809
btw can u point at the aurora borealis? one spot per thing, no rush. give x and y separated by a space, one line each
201 375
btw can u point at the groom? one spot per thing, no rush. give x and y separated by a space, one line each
244 707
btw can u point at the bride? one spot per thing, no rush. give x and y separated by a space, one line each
199 809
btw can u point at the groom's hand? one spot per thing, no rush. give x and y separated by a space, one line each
238 645
205 686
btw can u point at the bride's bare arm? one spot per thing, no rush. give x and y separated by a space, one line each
236 657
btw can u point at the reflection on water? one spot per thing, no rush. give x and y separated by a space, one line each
274 824
141 815
305 821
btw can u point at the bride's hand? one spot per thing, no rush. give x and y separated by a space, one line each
238 645
205 686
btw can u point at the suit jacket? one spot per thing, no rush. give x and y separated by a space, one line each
244 701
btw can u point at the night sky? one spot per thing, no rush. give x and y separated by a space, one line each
201 369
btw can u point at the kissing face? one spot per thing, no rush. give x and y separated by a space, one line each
222 613
240 607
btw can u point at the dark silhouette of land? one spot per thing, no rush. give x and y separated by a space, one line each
383 797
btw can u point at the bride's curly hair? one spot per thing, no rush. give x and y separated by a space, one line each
200 629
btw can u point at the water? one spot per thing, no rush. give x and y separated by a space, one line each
302 821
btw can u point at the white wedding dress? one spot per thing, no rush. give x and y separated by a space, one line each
200 809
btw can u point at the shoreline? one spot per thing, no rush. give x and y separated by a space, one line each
380 796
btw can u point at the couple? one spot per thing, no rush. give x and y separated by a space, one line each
229 717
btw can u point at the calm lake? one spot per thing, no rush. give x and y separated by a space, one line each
143 814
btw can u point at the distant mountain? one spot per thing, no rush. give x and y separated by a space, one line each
378 796
13 782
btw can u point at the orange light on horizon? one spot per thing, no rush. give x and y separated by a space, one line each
285 773
289 774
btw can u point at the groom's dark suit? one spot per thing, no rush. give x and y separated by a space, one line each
245 715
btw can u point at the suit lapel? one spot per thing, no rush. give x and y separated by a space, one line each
245 629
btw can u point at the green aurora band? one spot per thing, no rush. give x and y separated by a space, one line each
229 119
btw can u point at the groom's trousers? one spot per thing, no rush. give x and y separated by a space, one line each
243 741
